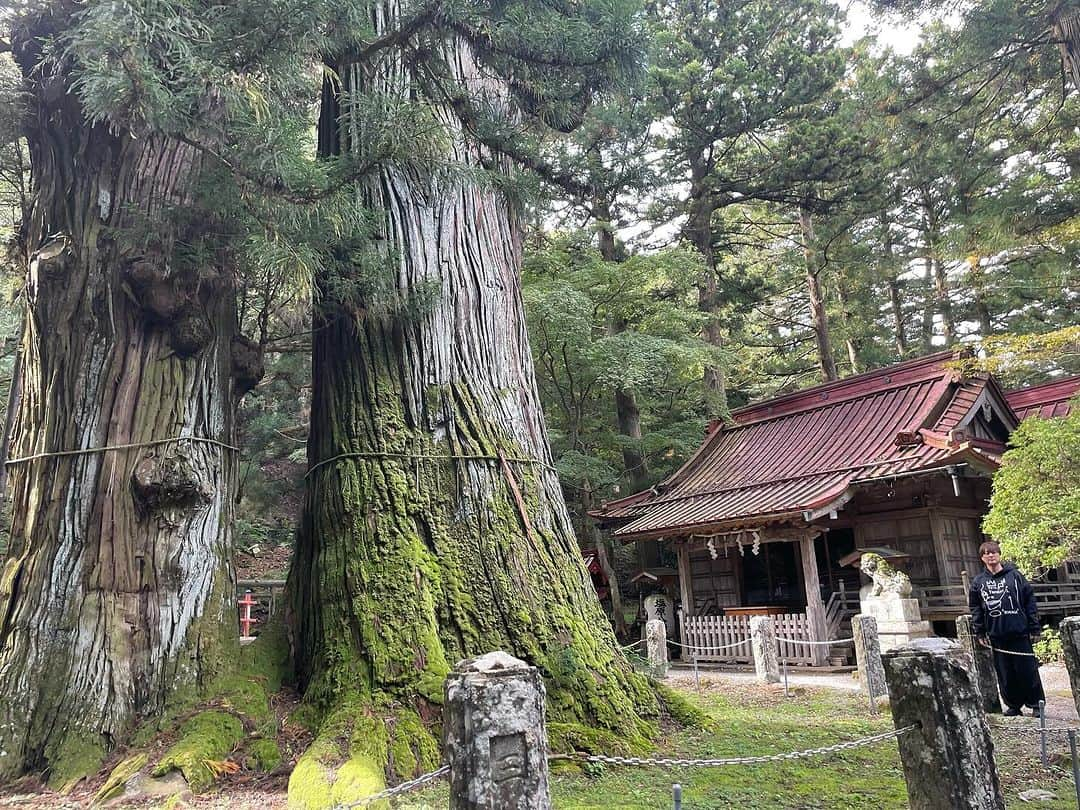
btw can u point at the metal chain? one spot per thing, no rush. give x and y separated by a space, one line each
1017 729
804 641
709 647
811 752
397 790
1013 652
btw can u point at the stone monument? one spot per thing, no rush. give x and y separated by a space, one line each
494 737
948 757
660 606
656 647
763 642
868 656
888 599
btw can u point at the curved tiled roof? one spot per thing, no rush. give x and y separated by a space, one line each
1046 400
803 451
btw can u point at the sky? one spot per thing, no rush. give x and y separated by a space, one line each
861 21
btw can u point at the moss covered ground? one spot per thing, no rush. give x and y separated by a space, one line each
748 719
751 720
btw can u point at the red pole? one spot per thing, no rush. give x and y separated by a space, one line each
245 619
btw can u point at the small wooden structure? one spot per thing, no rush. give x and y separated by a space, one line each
762 514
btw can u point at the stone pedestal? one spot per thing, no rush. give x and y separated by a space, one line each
899 619
1070 643
494 737
868 656
949 759
656 647
983 660
763 643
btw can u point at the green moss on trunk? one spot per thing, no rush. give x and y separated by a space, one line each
76 757
206 738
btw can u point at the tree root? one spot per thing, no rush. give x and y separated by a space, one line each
361 747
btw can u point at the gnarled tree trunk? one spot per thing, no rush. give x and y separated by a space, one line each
435 528
117 589
819 319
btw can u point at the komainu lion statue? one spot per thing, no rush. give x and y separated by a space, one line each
887 580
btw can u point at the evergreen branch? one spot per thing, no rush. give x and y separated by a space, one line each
472 120
277 186
398 36
522 51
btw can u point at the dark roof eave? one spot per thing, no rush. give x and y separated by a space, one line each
731 524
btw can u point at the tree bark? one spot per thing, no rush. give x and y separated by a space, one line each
435 527
605 554
698 232
935 271
1065 21
14 391
819 319
627 413
117 589
895 306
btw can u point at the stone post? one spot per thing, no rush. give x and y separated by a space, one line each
985 674
656 647
949 759
1070 643
763 642
868 656
494 738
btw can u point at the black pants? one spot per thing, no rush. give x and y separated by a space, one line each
1018 675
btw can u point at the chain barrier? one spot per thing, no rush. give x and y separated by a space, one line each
1014 652
804 641
397 790
756 760
1035 730
709 647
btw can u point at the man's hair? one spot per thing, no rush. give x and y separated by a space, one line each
989 545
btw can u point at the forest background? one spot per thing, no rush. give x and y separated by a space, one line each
723 200
754 214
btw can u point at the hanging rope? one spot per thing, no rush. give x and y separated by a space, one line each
432 456
133 446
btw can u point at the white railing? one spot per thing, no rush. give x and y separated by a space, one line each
727 638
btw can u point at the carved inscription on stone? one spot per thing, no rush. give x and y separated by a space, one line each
508 762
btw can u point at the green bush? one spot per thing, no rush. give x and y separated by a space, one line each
1048 648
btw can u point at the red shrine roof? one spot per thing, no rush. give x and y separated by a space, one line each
1046 400
799 456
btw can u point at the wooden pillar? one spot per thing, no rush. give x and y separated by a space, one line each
937 530
815 608
686 582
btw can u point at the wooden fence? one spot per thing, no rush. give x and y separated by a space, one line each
1052 598
711 638
266 591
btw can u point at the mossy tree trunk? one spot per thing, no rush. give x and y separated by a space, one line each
435 528
117 588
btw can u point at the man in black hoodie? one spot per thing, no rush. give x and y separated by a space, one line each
1004 617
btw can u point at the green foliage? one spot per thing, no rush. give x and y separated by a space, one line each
1035 506
572 299
1049 648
